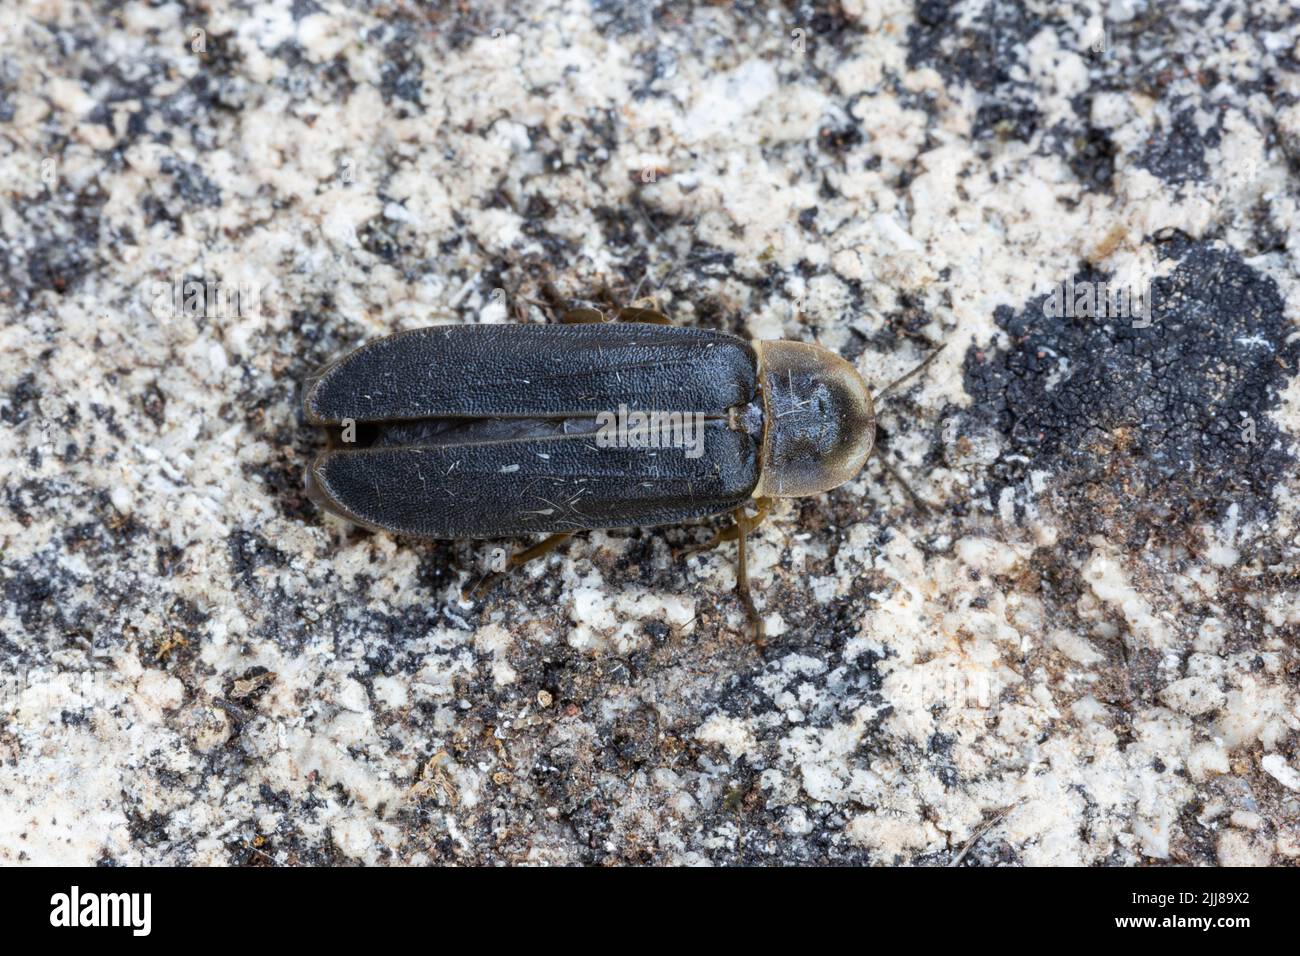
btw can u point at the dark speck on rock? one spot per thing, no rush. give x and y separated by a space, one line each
400 73
191 184
1177 153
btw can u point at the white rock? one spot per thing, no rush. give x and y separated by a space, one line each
1275 766
160 689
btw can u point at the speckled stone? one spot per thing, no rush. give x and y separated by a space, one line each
1087 652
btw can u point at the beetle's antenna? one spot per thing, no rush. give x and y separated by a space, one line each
916 371
917 500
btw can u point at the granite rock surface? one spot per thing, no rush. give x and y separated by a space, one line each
1086 651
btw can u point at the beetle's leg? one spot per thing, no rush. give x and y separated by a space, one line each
744 524
606 308
630 313
519 559
731 533
726 534
582 316
644 309
551 297
738 532
545 546
554 303
633 313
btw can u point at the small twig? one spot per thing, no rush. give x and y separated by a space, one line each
984 828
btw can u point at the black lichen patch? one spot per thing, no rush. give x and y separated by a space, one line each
1177 154
1145 428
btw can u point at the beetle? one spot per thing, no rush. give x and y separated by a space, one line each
495 431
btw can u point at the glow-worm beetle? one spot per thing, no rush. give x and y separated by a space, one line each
493 431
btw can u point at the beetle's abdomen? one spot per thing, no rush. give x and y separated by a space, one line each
819 422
